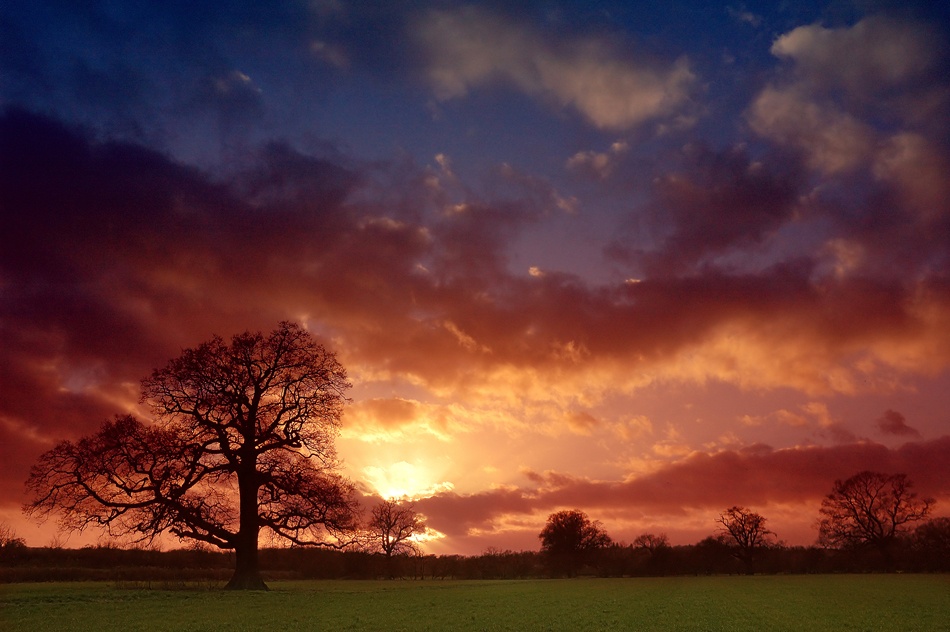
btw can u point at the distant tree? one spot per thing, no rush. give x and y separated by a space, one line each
746 533
931 540
242 440
652 543
391 527
9 539
712 555
569 538
870 510
659 550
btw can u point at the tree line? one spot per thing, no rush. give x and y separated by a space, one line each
869 522
241 441
925 549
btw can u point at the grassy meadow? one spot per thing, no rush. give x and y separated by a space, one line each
817 602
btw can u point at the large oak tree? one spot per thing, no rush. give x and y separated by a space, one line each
242 439
870 510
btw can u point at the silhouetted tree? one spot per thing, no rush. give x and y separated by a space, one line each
8 536
12 547
569 538
390 529
870 510
242 440
747 534
711 555
392 525
659 549
652 543
931 541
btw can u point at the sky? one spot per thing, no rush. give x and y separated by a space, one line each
649 262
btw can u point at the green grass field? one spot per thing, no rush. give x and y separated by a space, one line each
823 602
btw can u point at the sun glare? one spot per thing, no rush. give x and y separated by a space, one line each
404 480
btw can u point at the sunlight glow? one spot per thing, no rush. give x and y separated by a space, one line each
404 480
429 535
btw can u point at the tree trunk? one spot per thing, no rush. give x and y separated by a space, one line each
247 570
887 555
748 562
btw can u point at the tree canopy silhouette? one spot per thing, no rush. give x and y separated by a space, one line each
569 538
242 440
870 509
392 525
746 529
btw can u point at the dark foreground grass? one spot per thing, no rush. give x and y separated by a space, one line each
824 602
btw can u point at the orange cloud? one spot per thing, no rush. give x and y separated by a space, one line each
787 484
441 337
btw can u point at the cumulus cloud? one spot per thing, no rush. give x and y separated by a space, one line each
875 55
470 47
917 167
832 141
864 108
719 201
845 82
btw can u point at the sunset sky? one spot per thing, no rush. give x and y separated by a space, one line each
647 260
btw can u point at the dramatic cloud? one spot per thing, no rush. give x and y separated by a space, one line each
785 485
723 201
697 282
872 128
199 256
469 47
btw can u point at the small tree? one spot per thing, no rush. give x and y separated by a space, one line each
12 547
9 539
652 543
569 538
659 549
242 440
391 527
747 532
870 510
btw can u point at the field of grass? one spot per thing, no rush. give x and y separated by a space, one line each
822 602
